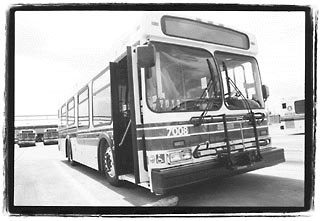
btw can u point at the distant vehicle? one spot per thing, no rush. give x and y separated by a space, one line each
27 138
39 137
50 136
180 102
293 115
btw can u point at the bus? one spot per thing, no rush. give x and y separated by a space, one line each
293 115
50 136
27 138
181 101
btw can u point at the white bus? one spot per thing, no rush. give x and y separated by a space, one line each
27 138
293 115
180 102
50 136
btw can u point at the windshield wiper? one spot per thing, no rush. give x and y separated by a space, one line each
239 93
205 92
250 112
210 83
227 77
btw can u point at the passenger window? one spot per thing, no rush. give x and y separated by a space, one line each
63 119
101 100
71 112
83 108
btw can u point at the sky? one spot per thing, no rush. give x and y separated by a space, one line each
56 53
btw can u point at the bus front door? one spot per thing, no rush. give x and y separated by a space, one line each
124 126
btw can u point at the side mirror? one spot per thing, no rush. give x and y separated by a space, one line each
146 56
265 92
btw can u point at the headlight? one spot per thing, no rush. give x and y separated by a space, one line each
263 132
179 155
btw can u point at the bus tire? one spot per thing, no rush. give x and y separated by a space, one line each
108 166
69 153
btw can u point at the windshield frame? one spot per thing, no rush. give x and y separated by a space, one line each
214 64
262 105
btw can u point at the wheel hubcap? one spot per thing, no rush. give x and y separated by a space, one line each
108 162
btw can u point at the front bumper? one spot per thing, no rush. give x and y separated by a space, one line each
27 143
169 178
50 142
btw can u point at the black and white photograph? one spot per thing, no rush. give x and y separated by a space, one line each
160 109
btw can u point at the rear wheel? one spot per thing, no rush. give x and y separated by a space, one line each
108 165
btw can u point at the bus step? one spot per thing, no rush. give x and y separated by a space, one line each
128 177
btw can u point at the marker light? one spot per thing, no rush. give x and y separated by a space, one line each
180 155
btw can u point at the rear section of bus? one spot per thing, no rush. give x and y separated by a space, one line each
292 115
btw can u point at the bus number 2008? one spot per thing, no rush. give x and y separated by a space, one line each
177 131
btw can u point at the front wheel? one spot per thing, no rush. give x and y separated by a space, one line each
108 163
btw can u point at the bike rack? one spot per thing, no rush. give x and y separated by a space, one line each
232 159
228 158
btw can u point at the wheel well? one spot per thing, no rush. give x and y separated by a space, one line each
66 147
102 143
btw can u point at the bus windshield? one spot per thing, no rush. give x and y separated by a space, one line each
51 134
181 80
241 71
27 134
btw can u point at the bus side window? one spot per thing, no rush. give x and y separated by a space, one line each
101 100
83 108
63 116
70 115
